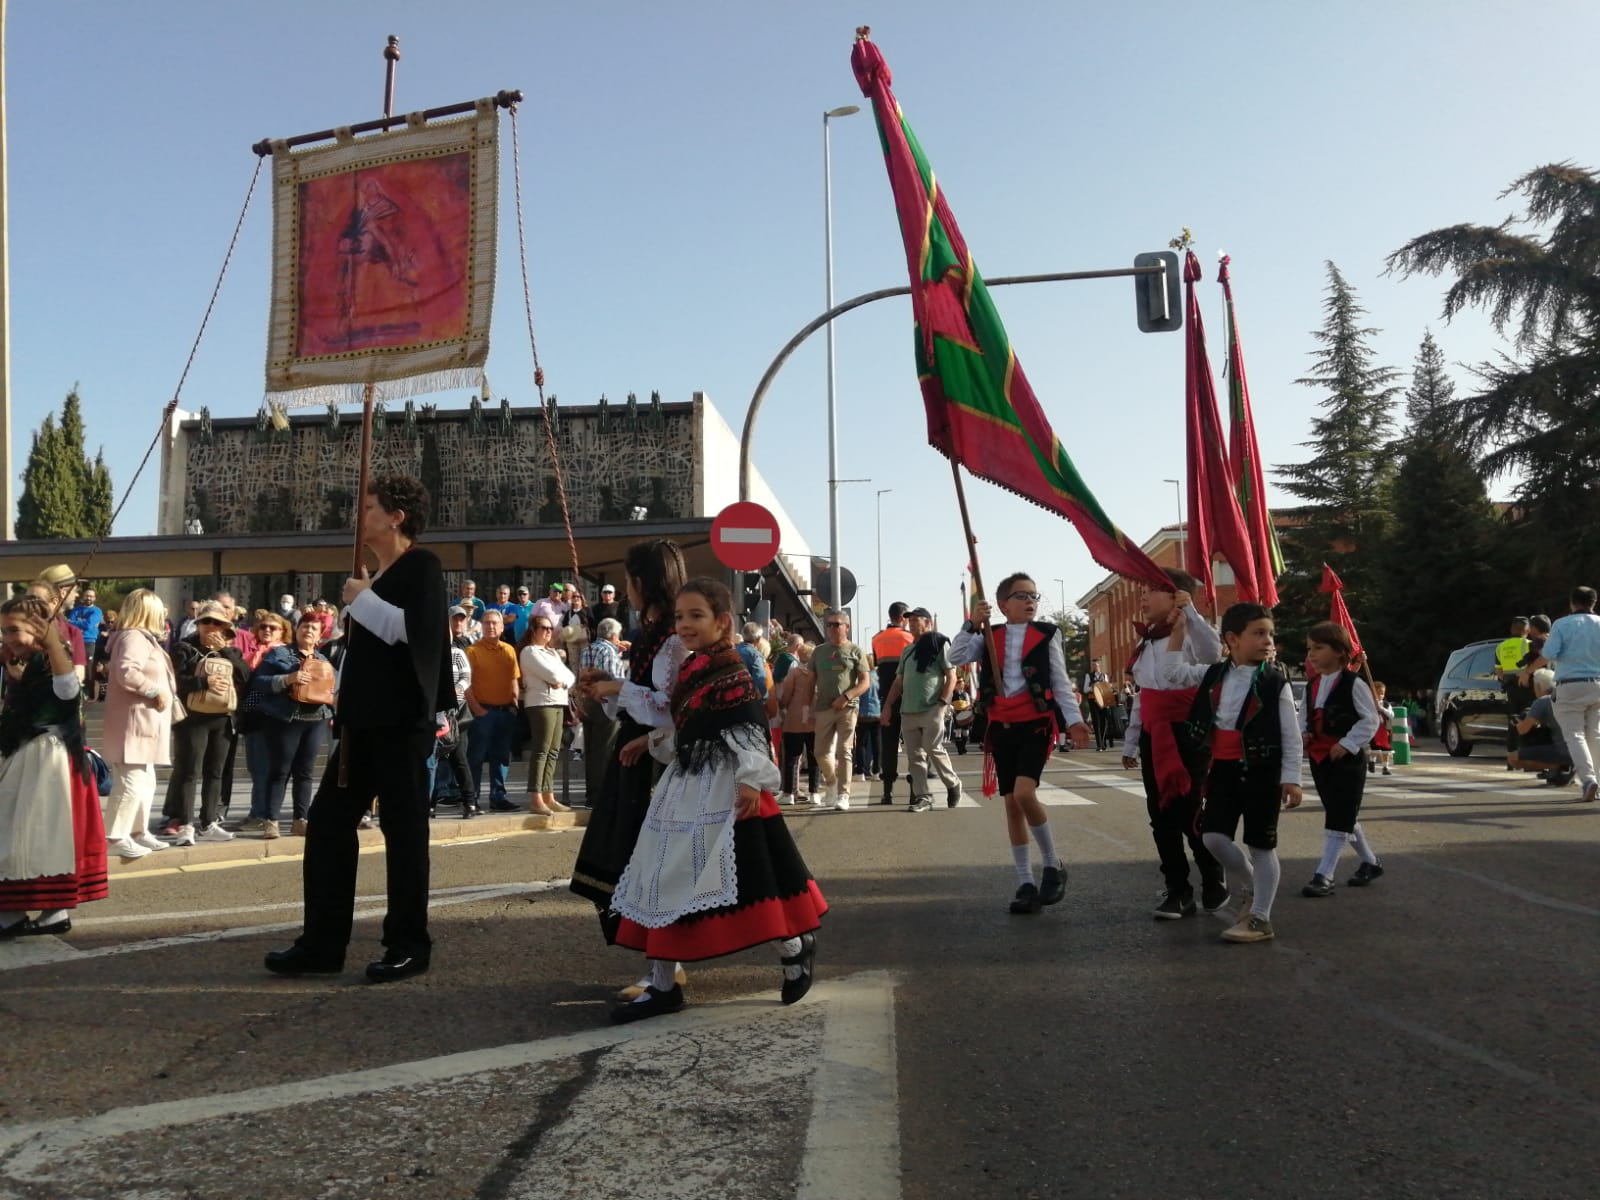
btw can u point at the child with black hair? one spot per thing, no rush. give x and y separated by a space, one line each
1243 715
1340 718
714 869
1382 744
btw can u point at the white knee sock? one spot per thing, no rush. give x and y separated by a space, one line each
1333 845
1265 864
1047 845
1022 864
662 972
1227 852
1364 849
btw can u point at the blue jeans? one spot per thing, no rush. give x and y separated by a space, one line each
489 739
291 749
257 761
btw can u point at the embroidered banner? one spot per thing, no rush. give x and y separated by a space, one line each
383 256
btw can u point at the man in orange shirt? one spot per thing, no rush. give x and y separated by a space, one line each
887 647
492 697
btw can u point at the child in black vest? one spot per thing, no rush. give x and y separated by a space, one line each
1021 706
1243 715
1340 718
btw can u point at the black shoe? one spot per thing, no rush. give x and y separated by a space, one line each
433 811
922 804
952 796
656 1004
1175 906
504 806
1364 875
1026 901
297 960
797 987
888 794
469 811
395 966
1213 896
1053 884
28 928
18 928
1320 885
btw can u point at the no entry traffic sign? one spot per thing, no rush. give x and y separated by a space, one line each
744 536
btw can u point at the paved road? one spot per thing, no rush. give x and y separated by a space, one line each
1432 1036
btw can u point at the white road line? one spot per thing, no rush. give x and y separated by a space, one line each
852 1140
19 954
1059 797
192 915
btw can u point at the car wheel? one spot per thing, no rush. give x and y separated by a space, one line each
1454 742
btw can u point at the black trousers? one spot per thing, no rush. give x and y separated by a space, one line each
1178 823
1340 786
202 743
390 764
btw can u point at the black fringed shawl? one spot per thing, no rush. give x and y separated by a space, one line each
714 694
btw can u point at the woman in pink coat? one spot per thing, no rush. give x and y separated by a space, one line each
137 737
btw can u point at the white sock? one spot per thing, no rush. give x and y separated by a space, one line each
1332 846
1265 868
1364 849
788 948
1047 844
661 976
1227 852
52 916
1023 865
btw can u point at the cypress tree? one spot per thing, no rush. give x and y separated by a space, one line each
64 495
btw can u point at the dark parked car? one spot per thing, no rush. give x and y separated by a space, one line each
1470 705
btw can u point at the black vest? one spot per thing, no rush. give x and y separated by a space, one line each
1260 729
1338 714
1035 670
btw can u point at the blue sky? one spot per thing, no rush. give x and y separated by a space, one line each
672 174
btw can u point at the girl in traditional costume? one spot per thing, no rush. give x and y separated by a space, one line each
52 834
714 870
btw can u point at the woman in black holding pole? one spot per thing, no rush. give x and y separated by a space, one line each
394 682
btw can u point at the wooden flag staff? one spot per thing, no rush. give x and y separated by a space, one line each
995 664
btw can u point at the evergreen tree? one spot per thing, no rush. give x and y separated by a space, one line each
1440 584
1346 482
64 495
1536 415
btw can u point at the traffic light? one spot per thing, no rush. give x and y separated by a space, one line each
1160 308
752 591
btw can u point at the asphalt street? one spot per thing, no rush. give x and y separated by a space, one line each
1433 1035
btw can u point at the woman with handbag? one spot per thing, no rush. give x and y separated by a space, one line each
545 680
295 684
211 676
272 630
141 695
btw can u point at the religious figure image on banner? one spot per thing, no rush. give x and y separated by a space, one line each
383 267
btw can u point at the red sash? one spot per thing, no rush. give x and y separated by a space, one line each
1159 708
1227 745
1012 710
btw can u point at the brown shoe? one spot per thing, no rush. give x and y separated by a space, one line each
298 827
269 830
1249 929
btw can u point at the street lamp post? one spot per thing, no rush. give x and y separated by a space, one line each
845 110
1063 584
882 492
1183 534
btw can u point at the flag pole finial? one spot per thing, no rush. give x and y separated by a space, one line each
1183 241
863 33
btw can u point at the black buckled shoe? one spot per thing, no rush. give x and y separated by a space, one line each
1364 875
796 986
1053 885
654 1003
1320 885
1026 900
297 960
394 966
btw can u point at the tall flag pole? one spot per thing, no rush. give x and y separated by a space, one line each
1215 524
1244 459
981 412
1337 612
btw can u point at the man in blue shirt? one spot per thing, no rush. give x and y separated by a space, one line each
517 613
1573 648
87 617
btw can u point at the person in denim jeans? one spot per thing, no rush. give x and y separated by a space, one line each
292 733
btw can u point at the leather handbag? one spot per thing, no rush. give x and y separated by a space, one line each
319 688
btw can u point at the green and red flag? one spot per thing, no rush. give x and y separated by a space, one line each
1244 459
981 411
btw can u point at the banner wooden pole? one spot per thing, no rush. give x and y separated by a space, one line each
995 664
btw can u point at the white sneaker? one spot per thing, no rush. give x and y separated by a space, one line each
149 840
785 799
185 836
842 804
125 847
214 832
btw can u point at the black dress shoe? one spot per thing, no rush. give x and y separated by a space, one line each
392 967
468 811
654 1003
297 960
1053 885
794 989
54 929
1364 875
504 806
1320 885
18 928
1026 900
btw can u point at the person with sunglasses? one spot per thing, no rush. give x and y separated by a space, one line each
1021 706
842 671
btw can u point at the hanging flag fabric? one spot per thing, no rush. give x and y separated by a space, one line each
1338 613
383 261
981 411
1244 459
1215 524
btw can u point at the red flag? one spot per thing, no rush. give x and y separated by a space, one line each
1244 459
1215 525
981 411
1339 614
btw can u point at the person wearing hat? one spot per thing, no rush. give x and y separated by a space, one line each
608 608
518 609
469 599
57 586
211 675
554 606
923 684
